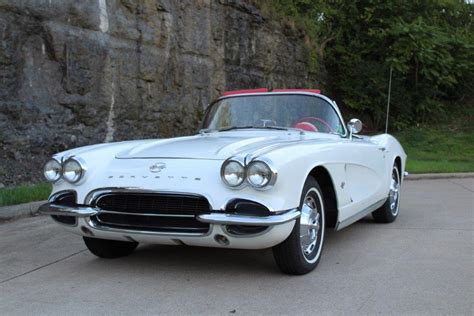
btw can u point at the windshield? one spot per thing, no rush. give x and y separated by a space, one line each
305 112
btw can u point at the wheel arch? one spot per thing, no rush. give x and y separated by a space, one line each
322 175
398 162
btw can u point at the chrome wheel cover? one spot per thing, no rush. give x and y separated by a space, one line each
394 193
311 226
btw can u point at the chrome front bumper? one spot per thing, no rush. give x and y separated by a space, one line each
76 211
233 219
212 218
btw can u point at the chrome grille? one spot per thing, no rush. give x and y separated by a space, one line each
152 211
147 203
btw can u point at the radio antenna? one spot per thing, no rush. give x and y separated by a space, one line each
388 99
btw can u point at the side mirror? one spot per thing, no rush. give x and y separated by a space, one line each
354 126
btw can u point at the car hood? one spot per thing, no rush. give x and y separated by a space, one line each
214 146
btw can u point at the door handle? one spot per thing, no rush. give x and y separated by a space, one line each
381 148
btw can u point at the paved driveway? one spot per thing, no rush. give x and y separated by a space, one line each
422 263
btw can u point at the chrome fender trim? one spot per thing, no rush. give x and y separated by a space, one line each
359 215
233 219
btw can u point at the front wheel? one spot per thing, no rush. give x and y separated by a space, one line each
109 249
301 251
388 212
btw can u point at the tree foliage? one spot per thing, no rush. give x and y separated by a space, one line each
428 43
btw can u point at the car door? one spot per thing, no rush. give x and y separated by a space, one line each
364 174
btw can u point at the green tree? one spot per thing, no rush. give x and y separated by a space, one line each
429 44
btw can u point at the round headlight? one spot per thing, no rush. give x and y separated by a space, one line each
72 170
259 174
52 170
233 173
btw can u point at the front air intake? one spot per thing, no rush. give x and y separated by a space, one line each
159 212
66 198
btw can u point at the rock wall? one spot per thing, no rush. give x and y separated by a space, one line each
74 73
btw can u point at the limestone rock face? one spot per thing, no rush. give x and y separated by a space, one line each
74 73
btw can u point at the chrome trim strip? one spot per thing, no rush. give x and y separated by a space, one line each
144 214
77 211
354 218
266 149
122 231
164 157
93 195
233 219
98 221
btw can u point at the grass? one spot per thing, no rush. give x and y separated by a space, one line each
24 194
438 150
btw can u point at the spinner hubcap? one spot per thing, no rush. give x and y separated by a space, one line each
310 225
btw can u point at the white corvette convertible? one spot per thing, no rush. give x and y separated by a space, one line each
268 169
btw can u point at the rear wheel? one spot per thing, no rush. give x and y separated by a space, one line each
388 212
301 251
109 249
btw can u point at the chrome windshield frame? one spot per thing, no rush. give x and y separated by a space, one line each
328 100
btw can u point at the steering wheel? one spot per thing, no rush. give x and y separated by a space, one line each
310 119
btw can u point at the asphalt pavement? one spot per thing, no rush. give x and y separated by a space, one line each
421 264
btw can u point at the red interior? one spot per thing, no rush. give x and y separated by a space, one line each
305 126
309 119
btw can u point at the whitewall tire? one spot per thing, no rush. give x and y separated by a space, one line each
301 251
388 212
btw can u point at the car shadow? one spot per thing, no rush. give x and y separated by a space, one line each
186 259
218 259
367 220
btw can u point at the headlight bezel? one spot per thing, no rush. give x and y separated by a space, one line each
241 163
82 168
271 169
246 182
62 166
60 173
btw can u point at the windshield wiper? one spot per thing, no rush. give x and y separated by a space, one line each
279 128
233 127
255 127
